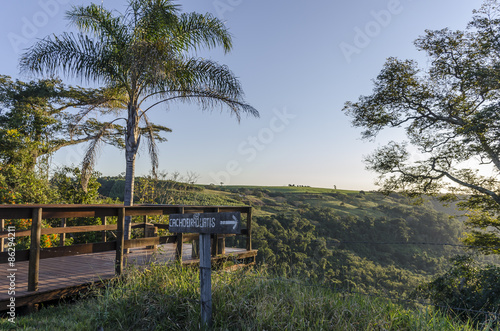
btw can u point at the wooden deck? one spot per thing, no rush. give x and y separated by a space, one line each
67 275
46 274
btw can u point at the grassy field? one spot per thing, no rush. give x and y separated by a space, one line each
289 189
268 200
167 298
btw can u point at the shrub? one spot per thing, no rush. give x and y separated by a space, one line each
465 289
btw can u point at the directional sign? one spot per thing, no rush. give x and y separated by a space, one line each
206 223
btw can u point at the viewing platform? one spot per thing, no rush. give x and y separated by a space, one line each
47 274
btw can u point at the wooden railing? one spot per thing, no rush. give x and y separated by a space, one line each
39 212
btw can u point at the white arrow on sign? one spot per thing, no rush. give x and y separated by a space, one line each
234 222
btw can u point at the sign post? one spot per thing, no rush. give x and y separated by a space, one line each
206 224
205 279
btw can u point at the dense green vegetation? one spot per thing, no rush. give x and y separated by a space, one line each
449 111
466 286
361 241
167 298
355 241
344 241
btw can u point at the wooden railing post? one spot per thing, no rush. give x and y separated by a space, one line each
178 247
34 259
178 243
214 243
145 225
103 222
249 229
195 249
62 236
120 233
151 232
221 245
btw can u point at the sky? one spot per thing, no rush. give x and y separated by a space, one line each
298 63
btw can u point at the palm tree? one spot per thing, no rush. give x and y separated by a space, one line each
144 55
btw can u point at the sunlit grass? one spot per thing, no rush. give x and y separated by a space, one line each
166 298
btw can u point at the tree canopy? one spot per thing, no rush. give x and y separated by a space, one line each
38 118
450 111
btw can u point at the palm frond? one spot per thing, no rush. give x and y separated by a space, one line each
207 99
195 31
215 77
205 82
71 55
91 155
100 22
152 148
152 19
197 74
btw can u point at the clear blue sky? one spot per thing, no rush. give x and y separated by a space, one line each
298 62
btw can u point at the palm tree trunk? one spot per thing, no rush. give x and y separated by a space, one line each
129 188
132 140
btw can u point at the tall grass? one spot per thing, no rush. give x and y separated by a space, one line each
167 298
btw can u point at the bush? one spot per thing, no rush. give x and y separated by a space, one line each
465 289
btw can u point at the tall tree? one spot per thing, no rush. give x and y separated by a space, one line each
451 114
145 53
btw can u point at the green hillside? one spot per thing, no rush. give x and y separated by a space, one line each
355 240
321 251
